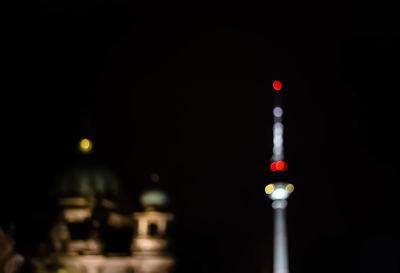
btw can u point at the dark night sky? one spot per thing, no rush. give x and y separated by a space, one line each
185 89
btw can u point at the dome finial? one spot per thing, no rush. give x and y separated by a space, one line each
85 145
155 177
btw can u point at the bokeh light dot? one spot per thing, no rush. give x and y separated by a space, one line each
281 166
277 85
269 189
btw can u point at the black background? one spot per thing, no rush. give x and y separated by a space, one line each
185 89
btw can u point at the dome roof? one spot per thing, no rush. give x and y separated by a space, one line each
154 199
87 181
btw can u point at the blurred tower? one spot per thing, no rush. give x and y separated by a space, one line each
279 191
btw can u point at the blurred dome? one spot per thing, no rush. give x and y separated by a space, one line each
87 181
154 199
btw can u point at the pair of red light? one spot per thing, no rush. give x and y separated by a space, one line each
278 166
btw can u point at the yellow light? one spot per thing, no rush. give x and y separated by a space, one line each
85 145
289 188
269 189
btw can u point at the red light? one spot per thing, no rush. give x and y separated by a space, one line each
278 166
281 166
277 85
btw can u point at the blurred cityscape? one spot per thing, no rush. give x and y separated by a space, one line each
90 231
138 136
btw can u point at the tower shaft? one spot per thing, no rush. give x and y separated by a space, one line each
281 263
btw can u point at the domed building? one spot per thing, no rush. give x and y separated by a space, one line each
87 199
93 233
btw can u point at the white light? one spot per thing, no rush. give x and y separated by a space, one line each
278 112
277 157
278 127
279 204
278 150
278 140
278 133
279 193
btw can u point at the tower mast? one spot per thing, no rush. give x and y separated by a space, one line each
279 191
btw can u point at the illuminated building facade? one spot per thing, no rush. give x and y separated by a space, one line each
149 247
93 234
10 260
